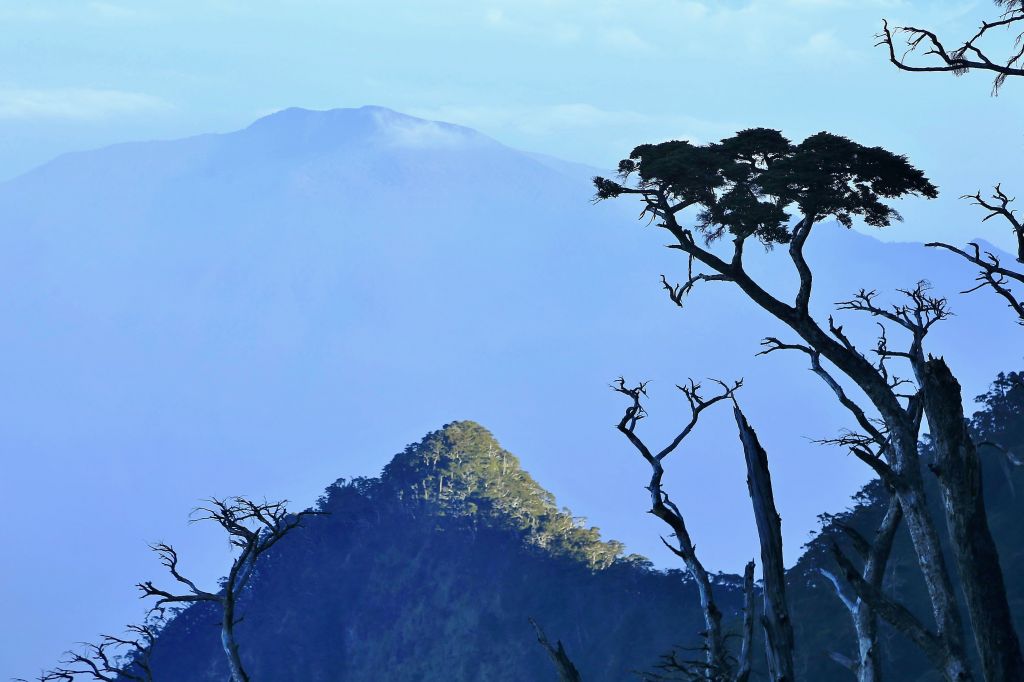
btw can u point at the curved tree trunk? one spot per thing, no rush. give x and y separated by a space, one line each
958 469
227 640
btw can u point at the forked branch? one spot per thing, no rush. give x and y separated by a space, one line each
967 56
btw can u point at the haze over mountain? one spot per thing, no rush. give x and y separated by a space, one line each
263 311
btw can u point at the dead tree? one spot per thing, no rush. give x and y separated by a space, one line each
744 187
875 556
957 467
252 528
778 627
991 272
124 658
971 55
716 665
567 672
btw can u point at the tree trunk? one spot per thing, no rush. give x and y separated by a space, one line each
958 469
905 460
746 644
227 640
778 628
716 653
869 659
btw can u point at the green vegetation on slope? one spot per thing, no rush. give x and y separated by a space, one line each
431 572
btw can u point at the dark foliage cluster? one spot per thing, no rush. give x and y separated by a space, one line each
750 184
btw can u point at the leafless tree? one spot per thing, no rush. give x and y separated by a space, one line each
970 55
991 272
252 528
716 665
743 187
957 466
124 658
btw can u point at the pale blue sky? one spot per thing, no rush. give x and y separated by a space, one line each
581 79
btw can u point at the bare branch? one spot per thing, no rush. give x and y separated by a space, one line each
992 274
666 510
967 56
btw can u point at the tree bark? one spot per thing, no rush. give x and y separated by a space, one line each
958 469
778 628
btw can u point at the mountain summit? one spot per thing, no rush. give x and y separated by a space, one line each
431 572
461 471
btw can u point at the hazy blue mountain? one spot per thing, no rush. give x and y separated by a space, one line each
253 312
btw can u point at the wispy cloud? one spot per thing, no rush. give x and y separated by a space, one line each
83 104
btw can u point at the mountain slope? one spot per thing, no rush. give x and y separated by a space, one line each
430 572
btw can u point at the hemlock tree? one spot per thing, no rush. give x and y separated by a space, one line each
252 528
744 189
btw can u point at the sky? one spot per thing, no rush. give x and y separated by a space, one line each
584 80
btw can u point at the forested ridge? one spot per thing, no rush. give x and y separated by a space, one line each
432 570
